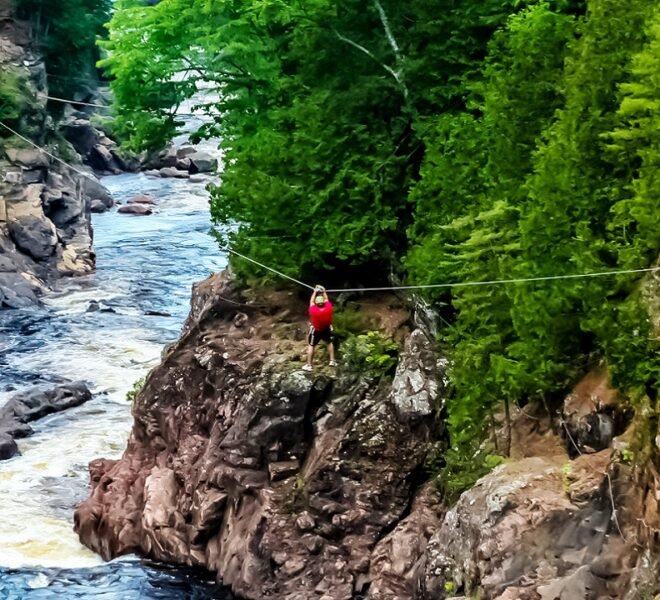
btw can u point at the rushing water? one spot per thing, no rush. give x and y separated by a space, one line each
144 264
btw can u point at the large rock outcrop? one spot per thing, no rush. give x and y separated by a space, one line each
298 487
45 207
283 483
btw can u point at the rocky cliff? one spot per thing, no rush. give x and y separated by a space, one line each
45 224
298 486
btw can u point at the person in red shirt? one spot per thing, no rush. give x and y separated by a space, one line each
320 329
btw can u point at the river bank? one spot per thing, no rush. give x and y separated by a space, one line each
144 265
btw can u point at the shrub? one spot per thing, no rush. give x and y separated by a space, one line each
372 353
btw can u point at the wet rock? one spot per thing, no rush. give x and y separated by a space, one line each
185 151
37 403
173 172
97 206
26 407
135 209
103 158
16 291
8 447
97 194
152 173
142 199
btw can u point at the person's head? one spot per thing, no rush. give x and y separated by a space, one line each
319 300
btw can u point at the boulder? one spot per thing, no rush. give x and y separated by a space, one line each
82 135
32 405
185 151
97 206
202 162
99 196
104 158
532 528
34 236
16 291
183 164
593 413
173 172
135 209
420 378
142 199
8 447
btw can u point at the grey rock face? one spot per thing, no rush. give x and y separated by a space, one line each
532 529
45 227
33 236
29 406
98 195
420 378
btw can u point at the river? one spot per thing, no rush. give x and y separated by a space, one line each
144 264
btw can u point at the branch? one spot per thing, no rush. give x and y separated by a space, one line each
362 49
393 43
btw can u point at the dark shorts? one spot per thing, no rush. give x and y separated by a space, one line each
314 337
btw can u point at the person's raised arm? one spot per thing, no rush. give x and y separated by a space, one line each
317 289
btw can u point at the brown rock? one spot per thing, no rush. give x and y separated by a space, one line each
592 414
173 172
142 199
135 209
194 484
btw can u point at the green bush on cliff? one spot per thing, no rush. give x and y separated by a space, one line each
13 96
372 353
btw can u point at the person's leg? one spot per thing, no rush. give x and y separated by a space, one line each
331 351
310 355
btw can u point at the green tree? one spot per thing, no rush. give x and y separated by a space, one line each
66 32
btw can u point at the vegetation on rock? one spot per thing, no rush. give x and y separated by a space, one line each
66 32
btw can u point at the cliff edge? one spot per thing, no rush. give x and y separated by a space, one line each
298 486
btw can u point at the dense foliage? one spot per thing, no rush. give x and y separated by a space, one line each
440 141
66 31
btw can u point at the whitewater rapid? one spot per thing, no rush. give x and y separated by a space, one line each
97 329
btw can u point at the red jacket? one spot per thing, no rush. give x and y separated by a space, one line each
321 316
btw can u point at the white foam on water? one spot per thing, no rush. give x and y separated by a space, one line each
140 260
